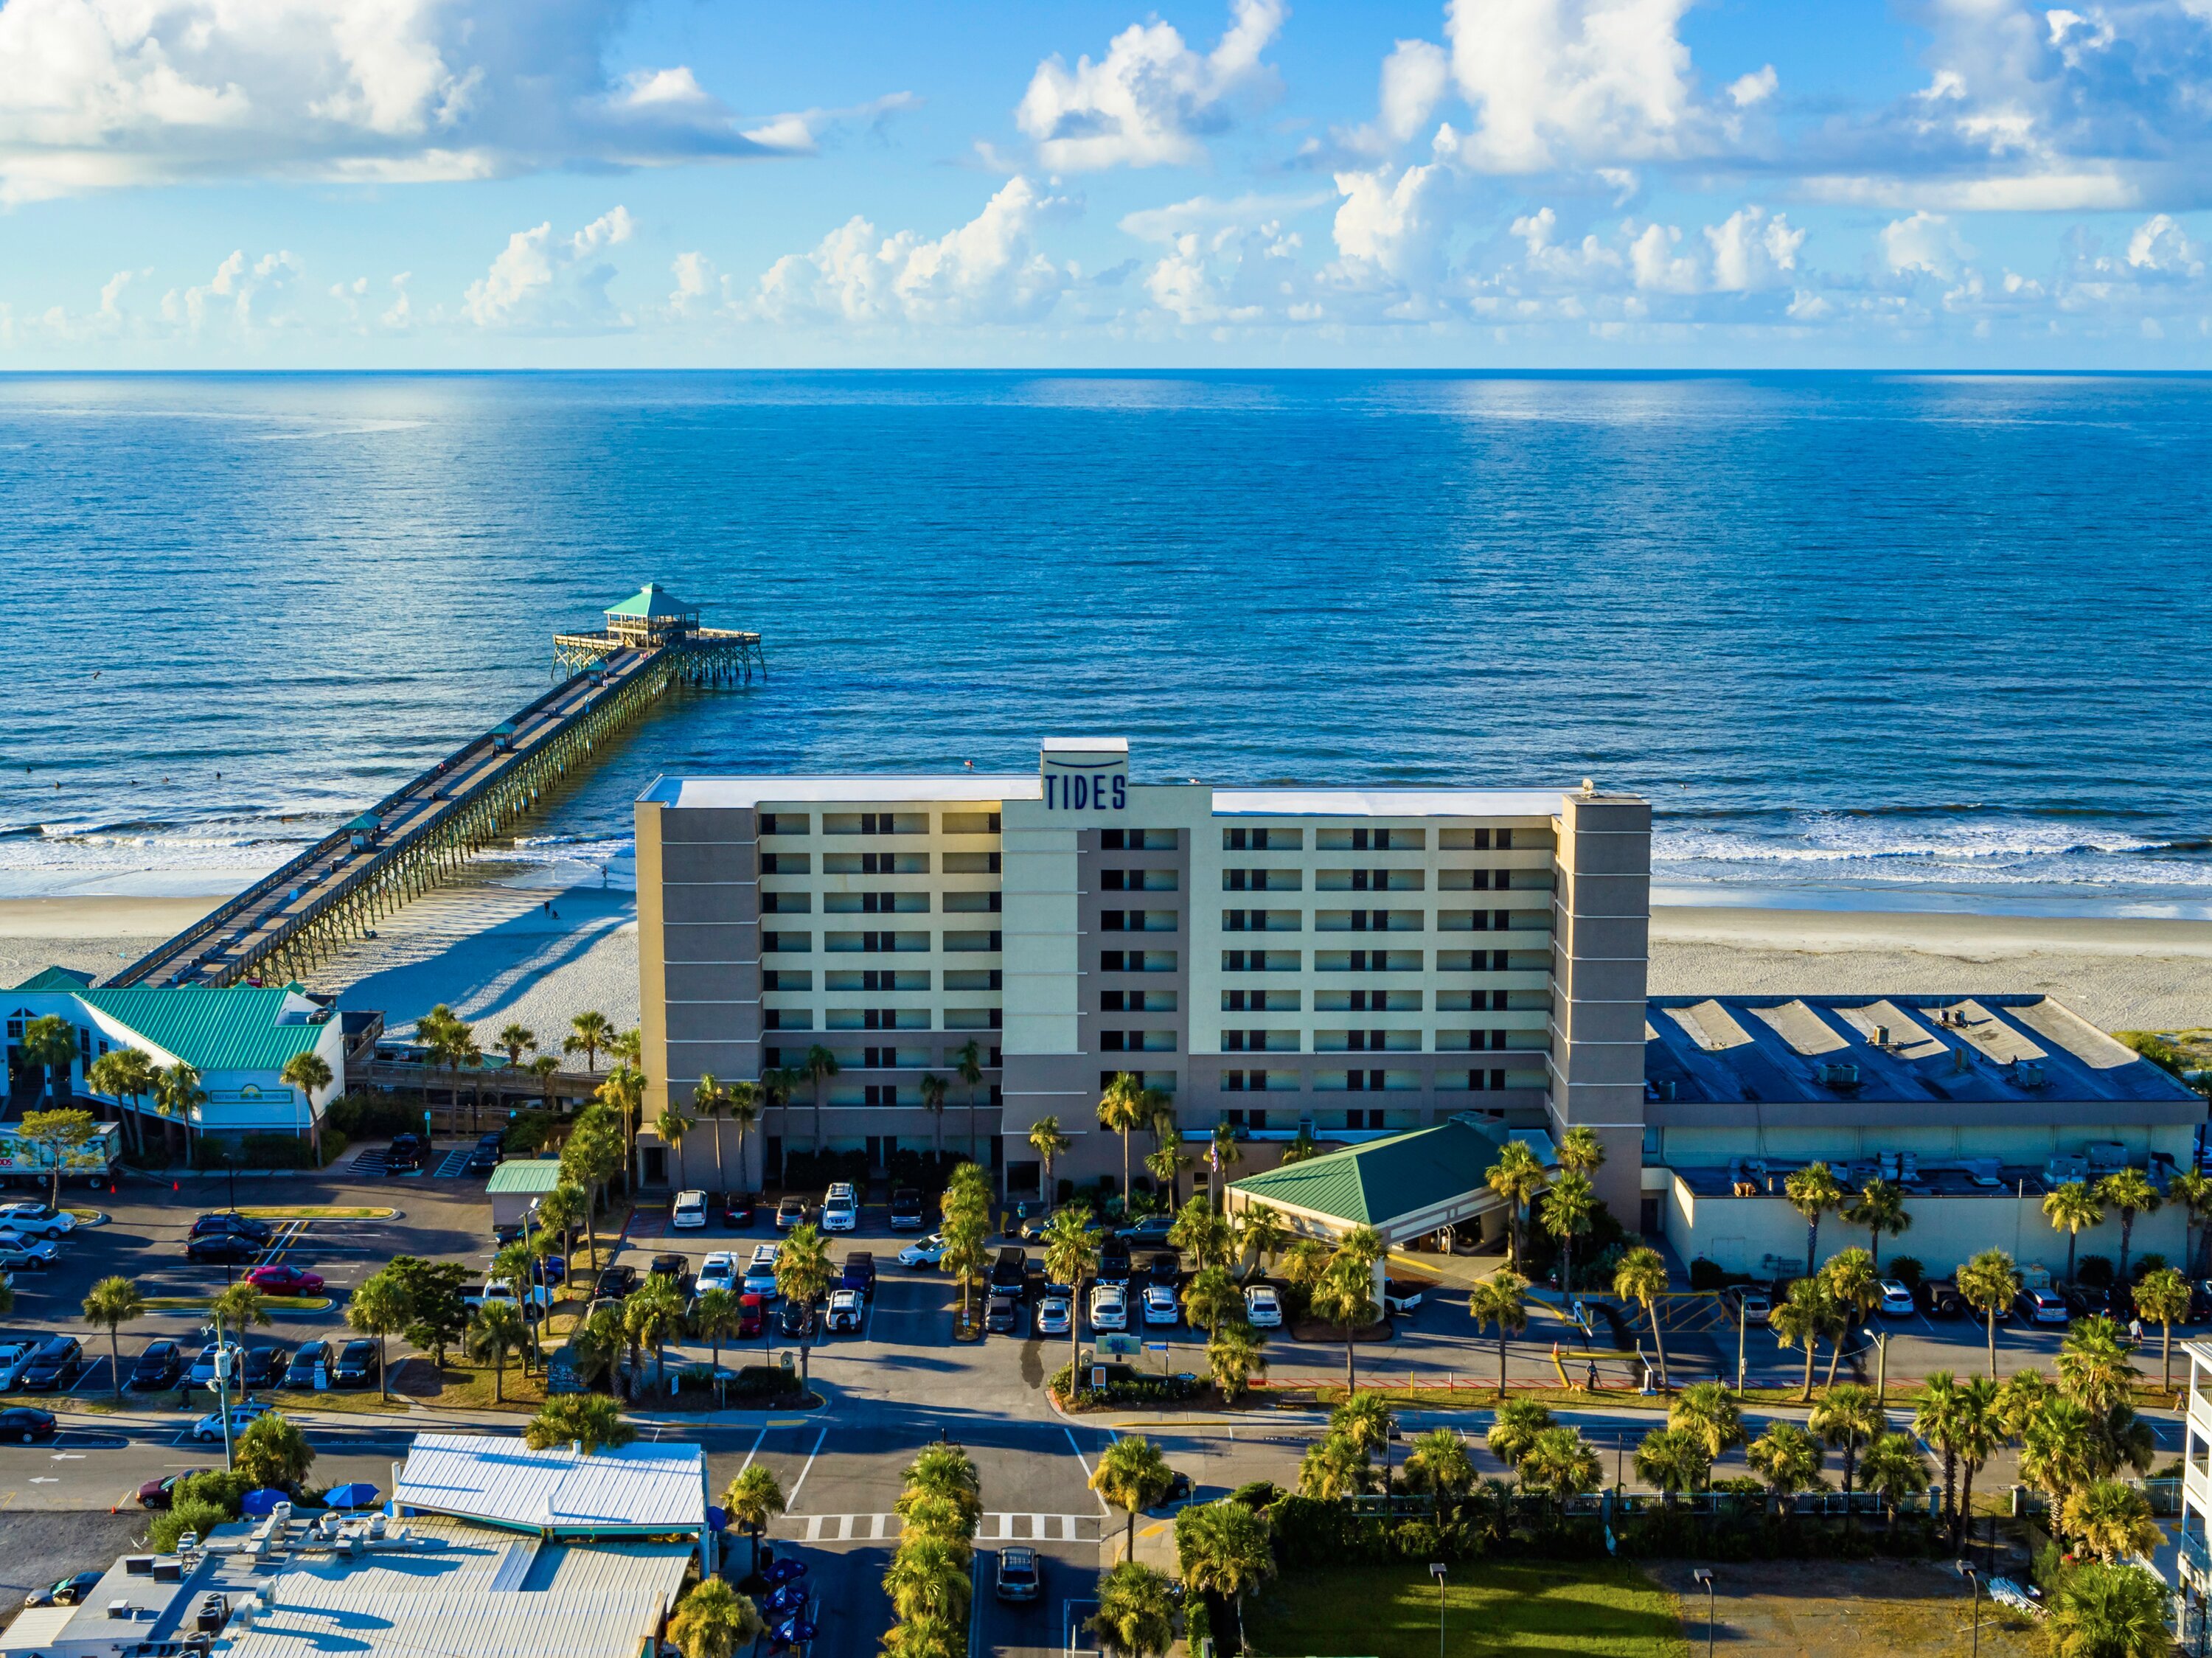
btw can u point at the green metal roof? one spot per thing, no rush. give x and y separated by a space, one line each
235 1028
1370 1185
650 601
56 978
529 1176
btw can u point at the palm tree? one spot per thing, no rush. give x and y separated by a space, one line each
2109 1612
115 1301
1302 1147
655 1311
1788 1459
1223 1549
1801 1320
818 1067
2111 1521
1989 1282
708 1099
968 1066
742 1099
672 1126
1500 1299
803 1273
1304 1263
1710 1414
1879 1207
1346 1299
2127 1190
309 1072
1813 1191
1261 1234
1567 1210
2094 1369
588 1033
1438 1463
1977 1433
589 1159
560 1211
1515 1429
1893 1468
753 1499
2071 1207
1364 1420
933 1090
495 1332
1121 1110
1333 1468
1201 1234
128 1074
178 1092
1845 1416
1135 1617
1165 1163
1070 1255
49 1043
1225 1155
714 1621
1855 1286
1561 1464
2193 1189
1940 1420
1516 1177
1581 1152
1641 1277
592 1420
380 1306
1673 1458
514 1041
717 1314
928 1580
1235 1353
1048 1142
1211 1296
1133 1476
2163 1297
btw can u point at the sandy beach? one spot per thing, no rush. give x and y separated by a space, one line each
496 952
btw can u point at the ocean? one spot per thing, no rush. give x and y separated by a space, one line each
1882 640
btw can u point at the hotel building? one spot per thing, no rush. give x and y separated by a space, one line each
1357 961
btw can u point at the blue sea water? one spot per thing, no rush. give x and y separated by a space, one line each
1883 640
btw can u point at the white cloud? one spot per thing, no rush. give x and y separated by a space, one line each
1753 89
1925 242
236 288
1751 250
537 280
2160 245
97 94
1166 224
1151 100
1657 267
1387 224
1557 82
986 272
400 314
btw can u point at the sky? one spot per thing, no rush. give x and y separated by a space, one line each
1572 184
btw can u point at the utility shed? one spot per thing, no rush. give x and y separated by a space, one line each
517 1184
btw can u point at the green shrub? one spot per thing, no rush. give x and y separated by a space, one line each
184 1516
2095 1271
218 1489
372 1116
1260 1494
1907 1270
1416 1539
1706 1274
527 1134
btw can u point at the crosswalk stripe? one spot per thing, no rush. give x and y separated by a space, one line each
997 1528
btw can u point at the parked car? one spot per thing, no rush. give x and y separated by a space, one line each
858 1274
1109 1307
68 1592
14 1356
841 1208
55 1366
25 1425
1401 1295
229 1220
1164 1268
1054 1311
357 1364
1263 1307
406 1154
38 1220
791 1212
308 1357
208 1430
718 1272
159 1366
1114 1261
752 1315
1940 1298
847 1311
615 1282
2041 1307
676 1268
688 1212
1019 1577
738 1211
203 1367
1150 1228
906 1209
796 1319
1002 1312
219 1248
485 1290
1010 1270
34 1253
265 1366
2082 1300
162 1493
489 1152
760 1271
1749 1303
923 1252
283 1279
1896 1299
1159 1305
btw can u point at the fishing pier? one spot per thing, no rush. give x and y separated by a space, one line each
424 833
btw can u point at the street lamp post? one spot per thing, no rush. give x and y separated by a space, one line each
1703 1575
1437 1571
1974 1578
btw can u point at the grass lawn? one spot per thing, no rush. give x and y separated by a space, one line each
318 1212
1530 1607
279 1303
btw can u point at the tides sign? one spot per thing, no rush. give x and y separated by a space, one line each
1086 775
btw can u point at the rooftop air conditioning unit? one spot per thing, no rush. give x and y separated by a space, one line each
2028 1074
121 1609
1837 1075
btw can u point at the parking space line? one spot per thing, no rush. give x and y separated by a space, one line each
1087 1475
791 1500
754 1451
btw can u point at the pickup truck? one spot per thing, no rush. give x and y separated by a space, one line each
541 1298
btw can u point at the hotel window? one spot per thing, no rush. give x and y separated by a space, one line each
1259 1001
786 904
1260 961
1473 839
971 822
787 863
1136 961
1476 1079
879 1059
1136 880
1263 840
1116 840
786 822
971 863
970 978
972 903
882 1094
1370 839
1136 1001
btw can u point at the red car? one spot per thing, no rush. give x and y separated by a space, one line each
285 1280
751 1309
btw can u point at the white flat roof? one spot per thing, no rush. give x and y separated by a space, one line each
498 1479
744 792
1387 803
1085 745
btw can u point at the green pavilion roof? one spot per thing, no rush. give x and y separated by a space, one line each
521 1176
240 1027
1368 1185
651 603
56 978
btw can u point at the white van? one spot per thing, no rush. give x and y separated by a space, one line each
688 1211
841 1209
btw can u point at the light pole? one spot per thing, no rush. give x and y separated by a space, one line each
1437 1571
1702 1574
1974 1578
223 1356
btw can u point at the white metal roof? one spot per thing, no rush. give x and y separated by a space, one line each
501 1481
1387 803
742 792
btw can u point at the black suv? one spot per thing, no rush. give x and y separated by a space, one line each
487 1156
406 1154
55 1365
299 1372
1114 1261
357 1365
616 1281
906 1209
265 1366
676 1268
224 1221
159 1366
221 1247
738 1211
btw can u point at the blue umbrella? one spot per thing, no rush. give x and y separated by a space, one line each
263 1500
717 1520
784 1571
790 1598
796 1630
359 1495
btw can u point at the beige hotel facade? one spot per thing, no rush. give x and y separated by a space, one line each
1356 961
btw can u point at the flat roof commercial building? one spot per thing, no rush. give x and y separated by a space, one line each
1361 962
